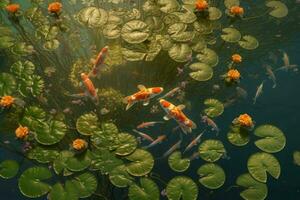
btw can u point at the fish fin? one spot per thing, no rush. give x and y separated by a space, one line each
194 126
181 107
146 102
126 99
141 87
79 95
167 117
129 105
185 129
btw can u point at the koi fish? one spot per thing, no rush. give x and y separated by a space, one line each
148 124
90 90
158 140
175 112
173 148
99 62
144 135
194 156
271 74
144 95
287 65
241 93
194 142
211 123
171 93
259 91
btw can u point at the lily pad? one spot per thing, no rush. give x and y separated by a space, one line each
208 56
79 162
148 190
165 41
177 163
93 17
88 124
112 31
211 150
182 187
180 52
30 182
214 13
211 175
177 28
22 49
105 161
229 3
186 16
7 84
107 138
185 36
86 184
131 55
42 154
6 42
23 69
141 163
47 32
238 135
249 42
273 139
280 10
254 190
33 117
127 144
296 157
202 71
8 169
60 163
59 192
200 44
231 35
214 107
261 163
52 133
135 31
119 177
51 45
168 6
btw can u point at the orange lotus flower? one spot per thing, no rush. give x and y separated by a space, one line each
79 144
245 120
236 10
236 58
13 8
233 74
6 101
55 7
22 132
201 5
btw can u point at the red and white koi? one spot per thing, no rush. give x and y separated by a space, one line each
158 140
144 135
194 142
210 123
99 62
148 124
171 93
172 149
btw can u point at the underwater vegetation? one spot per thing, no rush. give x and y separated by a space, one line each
91 89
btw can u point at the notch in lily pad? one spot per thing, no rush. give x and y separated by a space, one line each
9 169
211 150
212 176
177 163
182 187
214 107
147 190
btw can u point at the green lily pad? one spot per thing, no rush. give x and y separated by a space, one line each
214 13
135 31
79 162
208 56
92 17
148 190
182 187
105 161
202 71
273 139
204 26
131 55
85 184
249 42
107 138
6 42
213 108
60 163
168 6
51 45
23 69
200 44
211 150
177 163
211 175
87 124
59 192
296 157
185 36
37 86
153 51
177 28
261 163
4 3
33 117
119 177
30 182
165 41
47 32
8 169
180 52
254 190
230 3
7 84
52 133
280 10
112 31
231 35
238 136
141 163
22 49
127 144
186 16
42 154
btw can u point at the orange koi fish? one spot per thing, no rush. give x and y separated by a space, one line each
175 112
99 62
147 124
144 95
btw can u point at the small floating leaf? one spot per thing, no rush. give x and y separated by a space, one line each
105 161
180 52
238 135
211 150
203 72
52 133
88 124
135 31
60 163
211 175
254 190
107 138
182 187
43 154
231 35
86 184
208 56
141 164
213 108
177 163
59 192
79 162
186 17
7 84
168 6
132 55
119 177
279 9
8 169
273 139
296 157
249 42
147 191
127 144
111 31
93 17
261 163
214 13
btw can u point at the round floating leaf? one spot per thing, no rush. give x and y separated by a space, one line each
204 26
93 17
23 70
112 31
88 124
168 6
211 150
177 28
153 51
135 31
183 36
37 86
203 72
51 45
127 144
238 136
261 163
231 35
230 3
200 45
177 163
141 163
131 55
22 49
148 190
213 108
3 4
182 187
58 192
8 169
254 190
165 41
279 9
30 182
85 184
208 56
42 154
47 32
211 175
214 13
105 161
6 41
7 84
180 52
296 157
186 17
52 133
273 139
60 163
33 117
119 177
249 42
79 162
107 138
